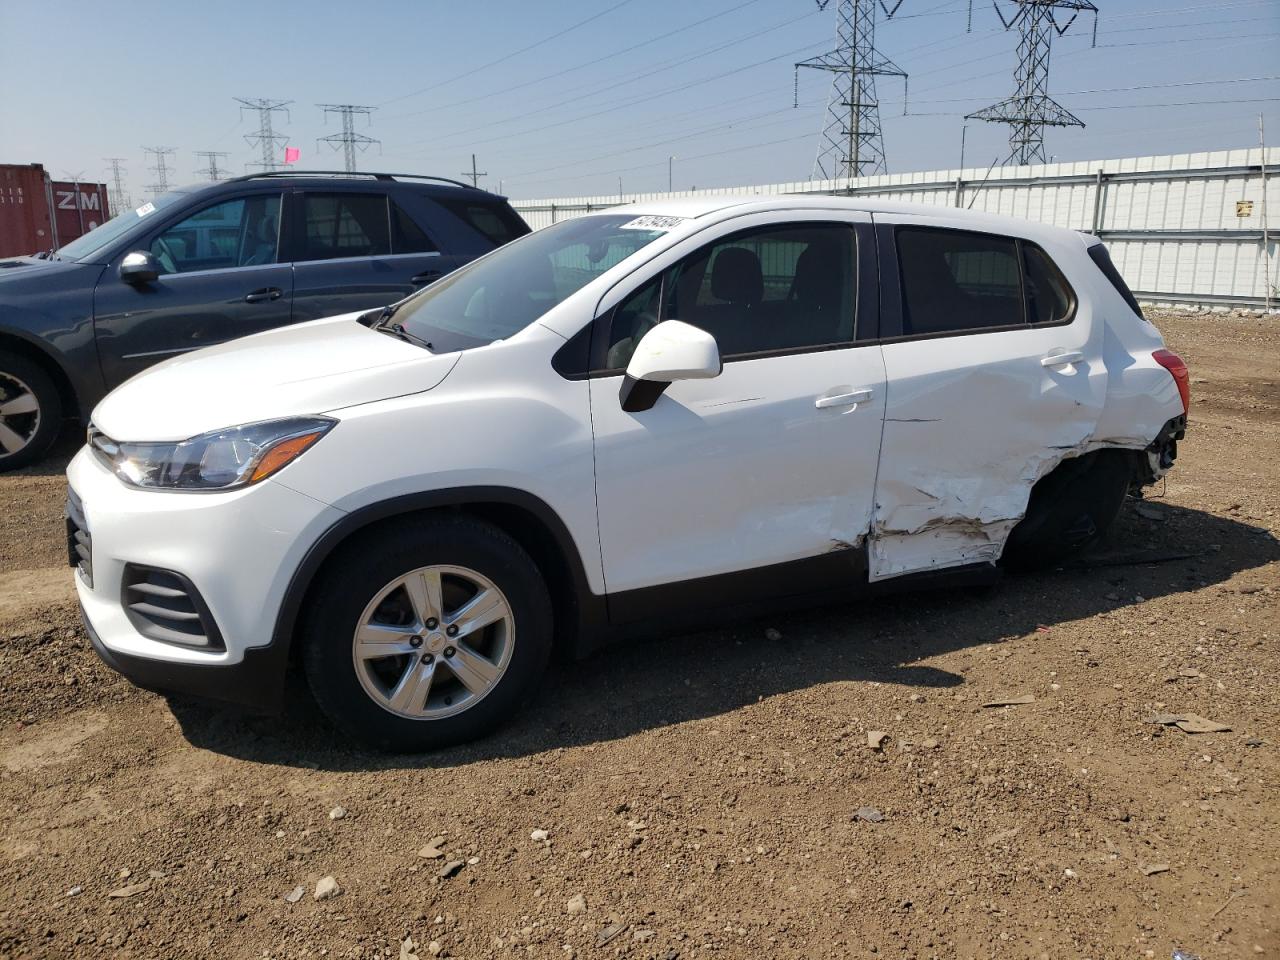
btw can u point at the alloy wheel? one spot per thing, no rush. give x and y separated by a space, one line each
434 642
19 415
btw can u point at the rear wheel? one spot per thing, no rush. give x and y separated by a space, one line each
30 412
1070 510
427 634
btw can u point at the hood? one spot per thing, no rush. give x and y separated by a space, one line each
16 269
306 369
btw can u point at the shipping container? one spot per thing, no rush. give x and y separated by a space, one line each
26 210
77 209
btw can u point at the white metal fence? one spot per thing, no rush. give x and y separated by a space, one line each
1185 228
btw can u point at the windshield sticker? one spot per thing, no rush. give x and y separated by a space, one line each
146 208
653 223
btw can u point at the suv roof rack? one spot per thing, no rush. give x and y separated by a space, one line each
354 174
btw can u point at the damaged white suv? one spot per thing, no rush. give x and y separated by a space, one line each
634 418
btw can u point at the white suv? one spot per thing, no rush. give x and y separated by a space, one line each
658 413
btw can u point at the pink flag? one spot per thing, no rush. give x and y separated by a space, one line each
291 154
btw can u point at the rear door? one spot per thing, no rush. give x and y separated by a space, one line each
995 373
358 250
222 279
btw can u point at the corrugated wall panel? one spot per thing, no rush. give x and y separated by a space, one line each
1156 212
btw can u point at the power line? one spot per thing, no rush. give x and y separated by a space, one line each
348 140
509 56
507 91
211 170
266 138
116 196
161 169
851 144
1031 109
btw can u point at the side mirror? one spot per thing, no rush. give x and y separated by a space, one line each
670 351
139 267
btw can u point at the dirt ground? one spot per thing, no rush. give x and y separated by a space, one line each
701 792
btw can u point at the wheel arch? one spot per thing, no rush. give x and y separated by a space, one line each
530 521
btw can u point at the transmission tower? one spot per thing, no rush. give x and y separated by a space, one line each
266 138
211 170
348 139
851 144
1031 109
116 196
161 168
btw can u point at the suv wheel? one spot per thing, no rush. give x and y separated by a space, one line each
427 634
30 412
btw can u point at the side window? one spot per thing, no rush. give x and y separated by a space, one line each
345 225
406 235
955 281
1049 298
773 289
496 221
235 233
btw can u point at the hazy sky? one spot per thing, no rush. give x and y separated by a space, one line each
554 106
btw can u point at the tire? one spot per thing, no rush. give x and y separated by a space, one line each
1070 510
26 435
374 697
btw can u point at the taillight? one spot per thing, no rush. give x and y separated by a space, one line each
1173 363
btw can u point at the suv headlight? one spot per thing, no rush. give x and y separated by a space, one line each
219 460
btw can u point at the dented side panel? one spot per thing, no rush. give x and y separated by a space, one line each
971 423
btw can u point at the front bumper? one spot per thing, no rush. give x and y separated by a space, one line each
238 549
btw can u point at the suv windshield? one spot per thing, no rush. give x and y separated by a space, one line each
502 293
83 249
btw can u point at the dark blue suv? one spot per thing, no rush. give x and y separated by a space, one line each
212 262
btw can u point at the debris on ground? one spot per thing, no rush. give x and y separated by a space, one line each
876 739
296 894
1011 701
1189 722
869 814
327 888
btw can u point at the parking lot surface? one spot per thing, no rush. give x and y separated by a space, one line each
713 794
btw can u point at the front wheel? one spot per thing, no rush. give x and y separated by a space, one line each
427 634
30 412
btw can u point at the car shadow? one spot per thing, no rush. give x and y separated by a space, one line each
641 685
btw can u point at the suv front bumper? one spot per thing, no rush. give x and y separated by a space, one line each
236 551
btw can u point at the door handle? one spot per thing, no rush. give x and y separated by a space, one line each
1060 358
843 399
429 277
266 293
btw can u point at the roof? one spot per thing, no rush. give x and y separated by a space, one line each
719 206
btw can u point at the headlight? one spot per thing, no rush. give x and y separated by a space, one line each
220 460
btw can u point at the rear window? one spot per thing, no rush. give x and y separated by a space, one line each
494 220
1099 254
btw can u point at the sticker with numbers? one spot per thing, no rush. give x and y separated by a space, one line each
145 209
653 223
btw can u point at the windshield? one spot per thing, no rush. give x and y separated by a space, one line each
501 294
83 249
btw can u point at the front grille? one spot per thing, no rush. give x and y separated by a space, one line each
79 543
164 605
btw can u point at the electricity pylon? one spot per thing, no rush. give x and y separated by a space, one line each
211 170
266 138
851 144
117 197
348 140
161 169
1031 109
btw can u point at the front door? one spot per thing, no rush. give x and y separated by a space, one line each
772 461
995 375
357 251
221 280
